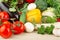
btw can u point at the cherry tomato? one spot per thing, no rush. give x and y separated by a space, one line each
18 27
4 15
5 32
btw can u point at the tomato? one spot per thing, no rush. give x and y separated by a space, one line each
58 19
0 27
3 20
5 32
30 1
18 27
8 24
4 15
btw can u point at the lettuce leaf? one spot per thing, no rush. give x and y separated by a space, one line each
23 15
56 5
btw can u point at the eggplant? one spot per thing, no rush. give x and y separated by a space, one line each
16 14
1 10
6 4
4 7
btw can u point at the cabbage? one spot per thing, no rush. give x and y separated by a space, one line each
48 16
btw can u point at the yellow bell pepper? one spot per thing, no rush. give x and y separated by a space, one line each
34 16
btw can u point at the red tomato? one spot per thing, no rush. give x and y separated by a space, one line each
18 27
0 27
30 1
3 20
5 32
58 19
4 15
8 24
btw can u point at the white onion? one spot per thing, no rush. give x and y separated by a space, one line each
31 6
29 27
56 31
57 25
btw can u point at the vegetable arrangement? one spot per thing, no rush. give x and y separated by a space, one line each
40 15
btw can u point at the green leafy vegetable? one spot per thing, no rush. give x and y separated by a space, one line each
49 29
41 30
56 5
3 0
41 4
13 3
23 15
48 19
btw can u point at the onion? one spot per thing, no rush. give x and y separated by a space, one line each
29 27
